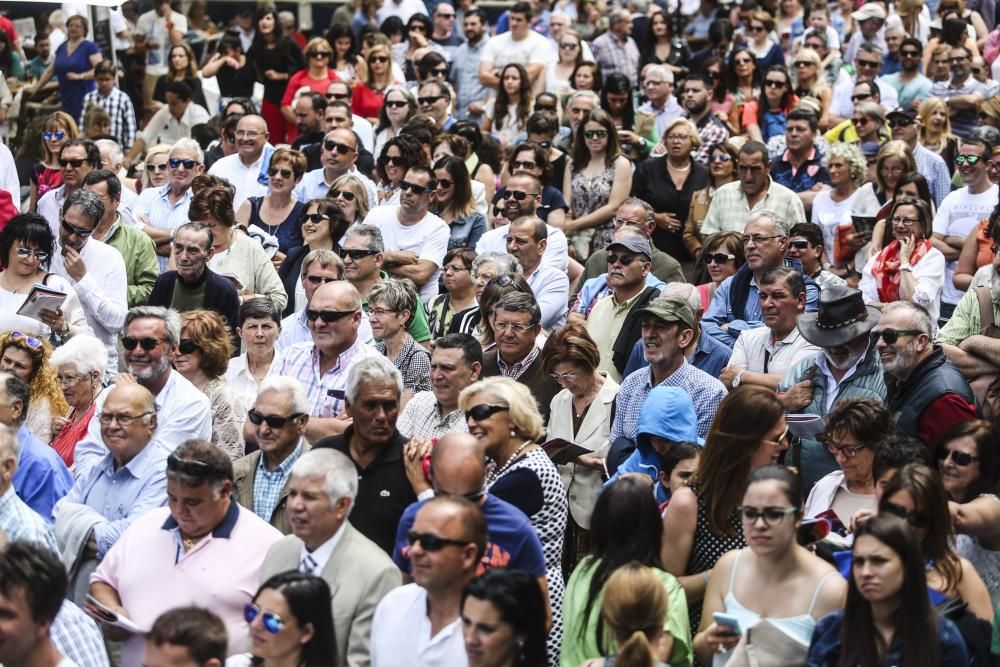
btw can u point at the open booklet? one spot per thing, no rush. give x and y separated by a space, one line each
562 451
112 618
804 425
41 297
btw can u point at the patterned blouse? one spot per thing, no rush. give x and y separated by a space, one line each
228 417
413 363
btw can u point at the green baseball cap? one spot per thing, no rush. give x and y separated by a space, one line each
669 309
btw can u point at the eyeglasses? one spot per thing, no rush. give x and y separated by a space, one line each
355 254
39 255
500 281
148 343
315 218
873 64
719 258
960 459
123 420
759 238
523 164
478 413
891 336
416 27
343 149
861 97
176 162
782 439
273 421
33 343
520 196
914 518
519 329
905 221
429 99
271 621
380 312
860 121
678 137
156 167
799 245
431 542
248 134
625 260
417 189
757 28
772 83
49 135
68 380
79 231
284 173
900 122
722 157
563 377
447 17
845 450
328 316
346 194
318 54
770 515
395 104
970 160
187 346
452 268
598 134
67 162
378 59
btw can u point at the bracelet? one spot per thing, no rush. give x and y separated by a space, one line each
706 573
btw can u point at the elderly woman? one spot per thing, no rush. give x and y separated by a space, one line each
27 357
581 413
80 365
277 212
503 416
390 309
202 358
455 310
832 207
489 265
909 268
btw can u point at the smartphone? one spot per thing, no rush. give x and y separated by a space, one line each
811 531
727 623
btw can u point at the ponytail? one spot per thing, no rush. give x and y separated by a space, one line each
636 652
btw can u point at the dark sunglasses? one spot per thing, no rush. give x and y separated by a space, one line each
418 27
914 518
39 255
343 149
318 54
444 183
429 100
910 54
861 98
417 189
900 122
545 107
396 104
75 163
523 164
483 411
49 135
874 64
961 459
338 96
624 260
320 280
891 336
520 196
396 160
346 194
799 245
271 621
328 316
355 254
79 231
148 343
431 542
284 173
719 258
599 134
315 218
176 162
187 346
162 167
500 281
273 421
378 59
771 83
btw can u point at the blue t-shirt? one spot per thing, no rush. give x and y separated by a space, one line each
41 478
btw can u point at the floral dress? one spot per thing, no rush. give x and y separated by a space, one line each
589 194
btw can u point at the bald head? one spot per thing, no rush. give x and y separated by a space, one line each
132 395
339 295
251 136
131 409
458 465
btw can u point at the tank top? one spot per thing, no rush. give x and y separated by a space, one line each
288 232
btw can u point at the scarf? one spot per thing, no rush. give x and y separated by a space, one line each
885 270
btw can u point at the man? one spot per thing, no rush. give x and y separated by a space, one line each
277 421
720 44
527 240
95 270
40 478
867 65
962 93
762 355
753 192
805 245
77 157
192 284
435 98
163 28
32 587
517 323
456 363
172 122
339 156
419 623
318 268
186 637
322 493
658 87
926 393
247 169
894 35
118 105
17 520
961 211
322 364
444 30
520 45
982 72
736 304
338 115
113 159
309 112
695 97
615 50
415 239
910 84
373 443
847 366
203 545
341 91
800 168
906 127
35 67
470 95
870 21
150 340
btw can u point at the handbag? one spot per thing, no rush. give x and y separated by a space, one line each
764 645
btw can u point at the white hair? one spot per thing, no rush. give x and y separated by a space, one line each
340 477
286 386
116 155
374 368
83 352
780 226
187 143
918 315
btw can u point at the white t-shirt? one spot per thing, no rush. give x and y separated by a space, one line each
829 215
959 214
503 50
155 28
556 252
428 239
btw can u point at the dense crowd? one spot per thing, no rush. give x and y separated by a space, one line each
559 334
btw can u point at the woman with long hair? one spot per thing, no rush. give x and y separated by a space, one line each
723 256
506 116
322 224
845 163
721 170
703 523
721 102
399 154
455 310
455 205
810 81
635 139
893 160
587 76
352 196
277 212
27 357
506 278
503 620
888 618
935 131
743 80
182 65
398 107
317 75
344 58
58 128
662 47
276 57
155 167
80 365
483 184
559 76
532 159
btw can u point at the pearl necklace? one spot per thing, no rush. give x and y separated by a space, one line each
502 469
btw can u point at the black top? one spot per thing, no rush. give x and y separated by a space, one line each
221 296
197 94
653 185
236 82
285 58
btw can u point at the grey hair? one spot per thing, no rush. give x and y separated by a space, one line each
852 155
89 203
17 390
340 477
635 202
83 352
187 143
589 94
288 387
505 263
373 368
9 446
869 47
171 319
286 16
919 317
685 292
780 226
116 150
373 233
519 302
397 293
325 258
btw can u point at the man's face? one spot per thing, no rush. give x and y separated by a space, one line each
314 520
905 129
277 442
343 330
105 83
763 245
168 655
842 357
621 26
73 161
779 308
557 24
868 65
960 63
337 117
473 27
909 57
753 171
869 27
125 442
197 509
364 267
799 135
801 249
191 253
656 87
444 19
74 225
374 411
183 165
626 269
521 199
522 244
632 216
306 117
146 365
663 342
433 102
438 570
415 196
818 20
899 358
19 633
519 25
251 135
578 108
515 334
450 374
892 40
44 48
259 334
340 151
110 205
317 275
695 97
974 175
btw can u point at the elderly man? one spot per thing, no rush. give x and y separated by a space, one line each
523 198
276 423
202 546
800 168
527 239
470 95
373 443
171 123
435 100
136 249
658 86
962 93
247 168
17 520
322 492
456 362
615 51
95 270
926 392
77 158
846 366
339 158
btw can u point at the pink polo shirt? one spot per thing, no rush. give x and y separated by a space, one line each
152 574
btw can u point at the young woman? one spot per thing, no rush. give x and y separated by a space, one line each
506 116
679 465
59 127
399 107
344 60
317 76
276 57
723 257
182 66
532 159
831 208
893 160
721 170
935 133
570 55
503 620
278 213
155 172
743 80
587 76
400 153
636 140
455 310
482 183
455 205
810 82
323 224
369 95
390 309
662 47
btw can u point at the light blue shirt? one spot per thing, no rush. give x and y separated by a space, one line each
154 205
720 312
268 484
465 77
20 522
932 166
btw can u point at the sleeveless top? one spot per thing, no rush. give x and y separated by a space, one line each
288 232
798 628
589 194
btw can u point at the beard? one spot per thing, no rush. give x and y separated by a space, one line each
847 363
149 372
903 363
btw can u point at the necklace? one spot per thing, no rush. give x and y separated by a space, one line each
502 469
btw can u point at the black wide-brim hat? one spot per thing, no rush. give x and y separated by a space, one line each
842 317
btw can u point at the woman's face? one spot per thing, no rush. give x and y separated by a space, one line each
156 169
722 164
396 107
54 139
520 164
958 478
315 228
385 322
839 171
189 363
287 643
617 102
511 81
485 272
17 362
22 259
908 190
379 62
682 472
890 170
903 504
266 24
743 64
857 469
348 200
75 29
77 388
715 71
568 55
281 177
596 136
342 45
938 118
775 85
179 59
877 569
757 31
457 276
774 442
659 25
678 141
446 186
720 268
584 79
394 170
906 222
489 641
572 377
492 432
769 536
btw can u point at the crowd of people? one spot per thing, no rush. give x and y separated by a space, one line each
570 333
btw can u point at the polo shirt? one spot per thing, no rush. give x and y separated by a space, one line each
384 491
756 351
604 324
805 177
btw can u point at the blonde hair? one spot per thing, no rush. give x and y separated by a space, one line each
691 128
634 607
819 83
512 395
928 107
151 153
315 42
354 184
896 149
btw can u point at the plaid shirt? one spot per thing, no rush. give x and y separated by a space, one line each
325 391
413 362
20 522
421 418
730 209
712 133
267 484
516 370
617 58
119 107
76 636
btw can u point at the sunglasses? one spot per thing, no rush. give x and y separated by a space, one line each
378 59
148 343
598 134
719 258
478 413
545 144
73 229
545 107
444 183
191 467
75 163
346 194
39 255
721 158
318 54
157 167
328 316
33 343
910 54
873 64
961 459
343 149
416 27
771 83
284 173
271 621
396 104
187 346
769 514
49 135
440 71
417 189
799 245
429 100
914 518
803 63
624 260
338 96
176 162
431 542
900 122
320 280
315 218
523 164
355 254
891 336
970 160
520 196
273 421
569 46
500 281
395 161
757 28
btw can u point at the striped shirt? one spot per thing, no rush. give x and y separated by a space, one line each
326 390
119 107
268 484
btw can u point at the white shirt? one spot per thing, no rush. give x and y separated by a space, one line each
155 27
959 214
401 633
314 186
241 380
428 238
323 552
242 176
8 176
103 291
829 215
163 128
929 274
366 133
556 251
550 287
841 104
404 10
50 207
503 50
754 350
824 492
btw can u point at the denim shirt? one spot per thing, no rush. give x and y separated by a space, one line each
465 232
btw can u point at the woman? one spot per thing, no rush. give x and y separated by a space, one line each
909 268
155 172
27 357
455 310
502 415
911 185
10 60
636 139
765 50
448 144
181 66
59 128
418 32
399 107
977 251
489 265
316 75
344 58
400 153
774 580
893 160
721 103
989 112
455 205
559 75
935 131
369 95
80 366
390 309
743 80
668 184
721 170
482 161
202 358
626 529
323 225
869 123
506 116
597 182
587 76
278 213
765 117
662 47
703 523
723 256
494 290
888 618
503 620
73 65
26 247
543 128
259 328
352 197
810 82
290 623
276 57
831 208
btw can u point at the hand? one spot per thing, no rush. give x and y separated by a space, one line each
728 374
53 319
668 221
819 187
58 424
906 245
798 395
857 241
859 518
476 107
232 62
124 378
413 461
628 137
75 266
3 114
111 632
272 75
72 76
404 258
719 638
588 461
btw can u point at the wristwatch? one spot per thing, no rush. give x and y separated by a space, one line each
905 266
737 379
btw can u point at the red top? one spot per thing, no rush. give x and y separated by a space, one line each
8 25
943 412
301 79
65 443
367 102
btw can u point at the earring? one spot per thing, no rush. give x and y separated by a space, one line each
513 433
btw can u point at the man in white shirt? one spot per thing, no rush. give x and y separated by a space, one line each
524 196
527 238
172 122
416 240
95 270
163 28
521 45
247 168
419 623
340 154
404 9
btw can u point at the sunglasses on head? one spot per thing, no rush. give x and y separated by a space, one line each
346 194
417 189
891 336
175 162
274 421
431 542
147 343
355 254
500 281
719 258
49 135
328 316
914 518
960 459
191 467
187 346
276 171
79 231
483 411
271 621
39 255
395 104
32 342
343 149
70 162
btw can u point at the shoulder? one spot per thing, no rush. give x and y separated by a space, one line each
684 501
243 467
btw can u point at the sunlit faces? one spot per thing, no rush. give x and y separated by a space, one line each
74 165
375 410
181 174
449 374
768 535
315 227
146 364
259 334
958 463
662 341
857 468
25 259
